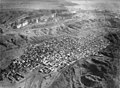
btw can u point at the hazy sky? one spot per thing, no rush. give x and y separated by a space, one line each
113 5
24 1
35 4
53 1
54 4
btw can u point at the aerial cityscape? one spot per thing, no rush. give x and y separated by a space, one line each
60 44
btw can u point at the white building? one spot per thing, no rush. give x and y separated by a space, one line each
19 26
25 23
37 20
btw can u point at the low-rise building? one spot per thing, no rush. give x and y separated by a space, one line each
25 23
19 26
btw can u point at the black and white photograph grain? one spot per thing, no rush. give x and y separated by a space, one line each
59 43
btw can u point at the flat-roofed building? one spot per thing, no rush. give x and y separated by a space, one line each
25 23
19 26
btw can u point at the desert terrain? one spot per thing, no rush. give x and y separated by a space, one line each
60 44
